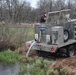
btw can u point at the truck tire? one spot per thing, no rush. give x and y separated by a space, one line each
70 51
66 35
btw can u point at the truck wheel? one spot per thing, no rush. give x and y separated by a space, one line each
66 35
70 51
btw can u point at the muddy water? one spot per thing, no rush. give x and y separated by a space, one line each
9 70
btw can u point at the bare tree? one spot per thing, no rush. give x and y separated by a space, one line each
16 11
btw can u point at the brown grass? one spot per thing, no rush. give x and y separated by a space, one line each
68 64
13 36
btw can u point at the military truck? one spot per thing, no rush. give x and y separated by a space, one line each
56 35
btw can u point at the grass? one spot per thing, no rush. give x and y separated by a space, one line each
36 66
9 57
23 69
30 34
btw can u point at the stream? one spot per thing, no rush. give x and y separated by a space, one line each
9 70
